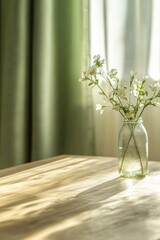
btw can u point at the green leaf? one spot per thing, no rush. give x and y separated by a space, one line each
117 79
96 81
101 93
91 83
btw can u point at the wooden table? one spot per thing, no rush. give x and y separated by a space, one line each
79 198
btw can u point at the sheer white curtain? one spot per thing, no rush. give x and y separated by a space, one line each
127 34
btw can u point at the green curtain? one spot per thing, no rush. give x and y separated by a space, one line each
44 110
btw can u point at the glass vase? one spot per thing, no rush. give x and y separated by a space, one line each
133 150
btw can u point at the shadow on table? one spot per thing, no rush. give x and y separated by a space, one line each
90 215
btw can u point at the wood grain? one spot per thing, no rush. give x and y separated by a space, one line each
79 198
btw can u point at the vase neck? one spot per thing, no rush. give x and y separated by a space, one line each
134 121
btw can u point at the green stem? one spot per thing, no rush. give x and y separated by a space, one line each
130 84
107 97
138 154
126 150
149 101
143 110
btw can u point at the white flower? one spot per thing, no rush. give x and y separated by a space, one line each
155 86
156 104
96 57
137 82
112 73
135 93
141 97
91 71
98 61
134 90
99 107
132 73
141 105
101 111
145 77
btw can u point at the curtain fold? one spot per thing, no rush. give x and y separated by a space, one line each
14 82
44 110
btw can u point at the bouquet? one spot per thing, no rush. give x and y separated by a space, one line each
130 99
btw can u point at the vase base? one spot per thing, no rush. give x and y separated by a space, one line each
132 175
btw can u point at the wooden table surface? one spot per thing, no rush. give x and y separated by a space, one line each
79 198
